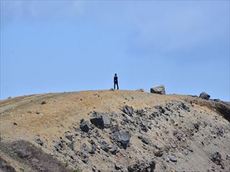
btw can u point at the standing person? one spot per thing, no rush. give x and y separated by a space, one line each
115 81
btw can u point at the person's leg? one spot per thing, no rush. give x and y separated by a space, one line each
117 86
114 86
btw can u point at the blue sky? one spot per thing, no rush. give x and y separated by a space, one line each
57 46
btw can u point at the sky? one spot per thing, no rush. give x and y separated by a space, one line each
62 46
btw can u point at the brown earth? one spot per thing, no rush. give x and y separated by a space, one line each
167 132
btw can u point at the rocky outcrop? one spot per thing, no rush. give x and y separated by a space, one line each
33 156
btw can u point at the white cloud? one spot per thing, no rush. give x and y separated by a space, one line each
35 9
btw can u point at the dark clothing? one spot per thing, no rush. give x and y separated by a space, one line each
115 80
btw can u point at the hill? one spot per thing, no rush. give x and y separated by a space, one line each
114 131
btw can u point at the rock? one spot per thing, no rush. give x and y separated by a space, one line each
71 145
216 158
144 126
84 150
93 149
128 110
159 153
204 95
179 135
15 123
59 146
122 137
140 112
23 153
117 167
172 158
228 157
84 126
160 109
6 166
114 150
220 131
142 166
43 102
144 139
69 137
101 121
106 121
39 141
104 146
158 90
183 107
196 126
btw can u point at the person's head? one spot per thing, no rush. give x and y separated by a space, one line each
115 74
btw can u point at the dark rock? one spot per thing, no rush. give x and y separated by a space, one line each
59 146
172 158
216 100
27 153
43 102
196 126
93 149
15 123
144 126
228 157
39 141
71 145
23 153
84 126
204 95
5 166
184 107
140 112
117 167
144 139
142 166
84 150
114 150
158 90
160 109
178 135
104 146
216 158
101 121
159 153
220 131
128 110
69 137
122 137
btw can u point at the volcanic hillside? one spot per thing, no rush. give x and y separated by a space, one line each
114 131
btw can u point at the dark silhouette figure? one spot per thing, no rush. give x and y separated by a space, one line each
115 81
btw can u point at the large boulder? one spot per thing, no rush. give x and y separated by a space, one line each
84 126
204 95
101 121
158 90
122 138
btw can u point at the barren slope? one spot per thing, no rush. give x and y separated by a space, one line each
165 132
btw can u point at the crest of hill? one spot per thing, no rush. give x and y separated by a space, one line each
154 123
